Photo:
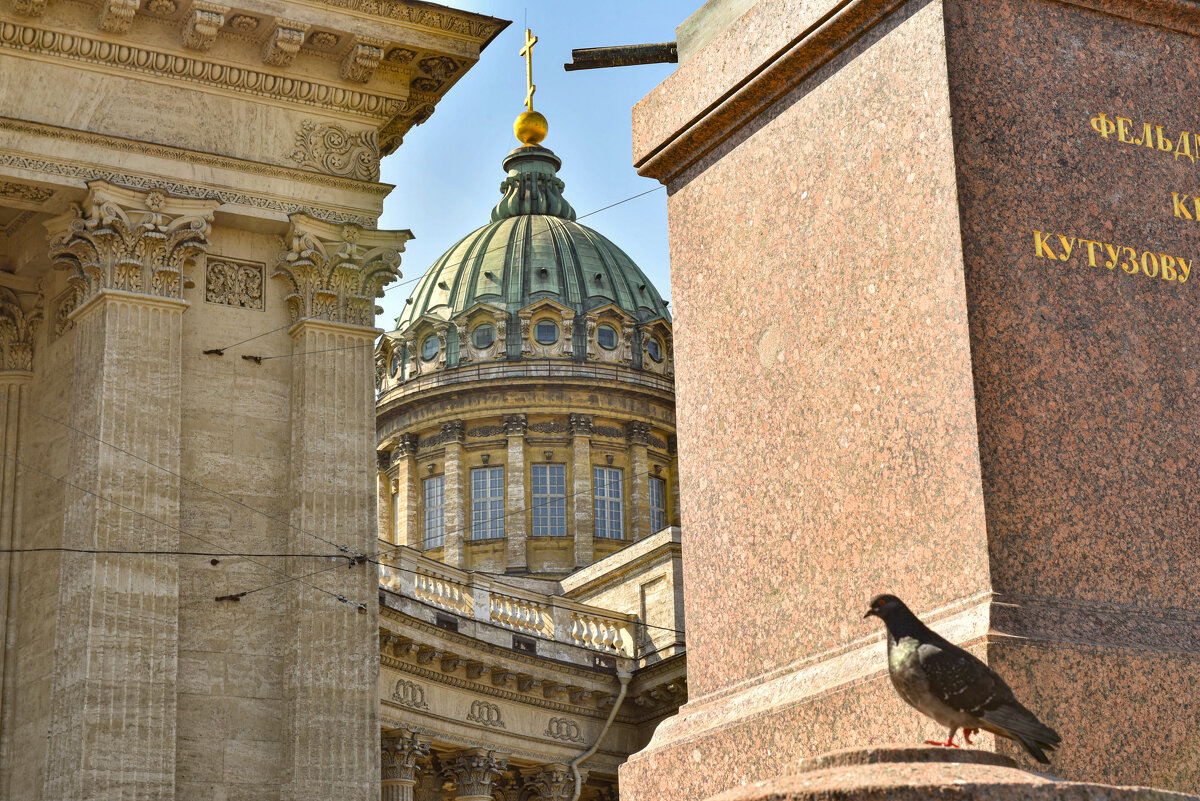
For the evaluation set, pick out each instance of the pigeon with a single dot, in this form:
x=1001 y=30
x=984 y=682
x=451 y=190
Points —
x=943 y=681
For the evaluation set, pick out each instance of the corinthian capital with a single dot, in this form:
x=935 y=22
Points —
x=17 y=330
x=337 y=271
x=474 y=770
x=400 y=752
x=129 y=240
x=553 y=782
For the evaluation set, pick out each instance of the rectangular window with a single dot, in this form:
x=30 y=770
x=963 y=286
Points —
x=487 y=503
x=435 y=511
x=549 y=500
x=658 y=504
x=610 y=522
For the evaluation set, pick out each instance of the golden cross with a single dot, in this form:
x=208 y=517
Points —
x=527 y=51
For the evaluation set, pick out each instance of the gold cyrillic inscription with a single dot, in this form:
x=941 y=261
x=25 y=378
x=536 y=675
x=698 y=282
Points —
x=1147 y=263
x=1147 y=135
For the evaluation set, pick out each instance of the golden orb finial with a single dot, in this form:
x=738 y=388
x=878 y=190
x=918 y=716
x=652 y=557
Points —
x=530 y=127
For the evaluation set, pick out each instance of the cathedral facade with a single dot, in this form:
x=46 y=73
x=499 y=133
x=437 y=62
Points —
x=531 y=618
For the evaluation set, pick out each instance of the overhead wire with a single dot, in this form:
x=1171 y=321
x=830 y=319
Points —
x=185 y=533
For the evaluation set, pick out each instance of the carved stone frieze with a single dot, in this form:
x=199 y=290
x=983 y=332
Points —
x=279 y=50
x=161 y=8
x=89 y=172
x=400 y=751
x=485 y=431
x=410 y=694
x=473 y=771
x=362 y=60
x=336 y=275
x=30 y=8
x=130 y=241
x=232 y=282
x=330 y=148
x=200 y=30
x=30 y=194
x=400 y=55
x=608 y=431
x=244 y=23
x=438 y=67
x=117 y=15
x=323 y=39
x=581 y=425
x=283 y=43
x=485 y=713
x=564 y=729
x=17 y=330
x=553 y=782
x=549 y=427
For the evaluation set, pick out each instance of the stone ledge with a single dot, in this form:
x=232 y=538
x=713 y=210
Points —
x=899 y=773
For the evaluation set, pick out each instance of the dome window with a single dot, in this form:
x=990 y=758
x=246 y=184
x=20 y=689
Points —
x=546 y=332
x=483 y=336
x=429 y=348
x=654 y=349
x=606 y=337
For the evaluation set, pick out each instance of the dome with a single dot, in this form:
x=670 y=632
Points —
x=533 y=249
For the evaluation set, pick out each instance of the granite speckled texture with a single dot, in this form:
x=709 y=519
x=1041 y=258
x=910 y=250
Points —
x=916 y=774
x=926 y=402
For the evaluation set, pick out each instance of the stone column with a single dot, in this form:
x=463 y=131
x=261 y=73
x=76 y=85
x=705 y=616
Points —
x=331 y=663
x=473 y=772
x=516 y=520
x=581 y=467
x=384 y=503
x=409 y=529
x=553 y=782
x=638 y=434
x=399 y=753
x=113 y=688
x=457 y=494
x=17 y=329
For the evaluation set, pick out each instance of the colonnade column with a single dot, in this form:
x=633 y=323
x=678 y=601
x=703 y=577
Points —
x=113 y=686
x=399 y=752
x=331 y=662
x=408 y=529
x=581 y=426
x=515 y=526
x=457 y=494
x=638 y=434
x=16 y=371
x=473 y=771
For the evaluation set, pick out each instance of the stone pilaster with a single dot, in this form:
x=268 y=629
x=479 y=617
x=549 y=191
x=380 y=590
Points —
x=332 y=660
x=17 y=328
x=581 y=426
x=399 y=752
x=516 y=521
x=553 y=782
x=112 y=722
x=473 y=772
x=409 y=530
x=638 y=434
x=384 y=501
x=456 y=494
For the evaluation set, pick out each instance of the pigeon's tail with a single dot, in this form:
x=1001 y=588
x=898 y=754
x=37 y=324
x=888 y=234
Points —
x=1016 y=722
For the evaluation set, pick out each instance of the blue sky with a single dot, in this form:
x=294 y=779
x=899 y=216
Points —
x=447 y=172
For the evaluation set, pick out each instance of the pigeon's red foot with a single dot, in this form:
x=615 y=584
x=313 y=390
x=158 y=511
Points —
x=967 y=733
x=948 y=744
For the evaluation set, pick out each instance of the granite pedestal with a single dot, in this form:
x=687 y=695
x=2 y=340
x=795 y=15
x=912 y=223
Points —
x=935 y=260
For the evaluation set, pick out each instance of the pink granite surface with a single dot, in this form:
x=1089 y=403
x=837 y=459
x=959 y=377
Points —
x=872 y=354
x=843 y=460
x=898 y=774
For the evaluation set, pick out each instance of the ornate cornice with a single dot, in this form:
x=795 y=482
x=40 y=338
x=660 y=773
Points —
x=18 y=328
x=132 y=241
x=88 y=173
x=481 y=29
x=336 y=274
x=77 y=46
x=332 y=179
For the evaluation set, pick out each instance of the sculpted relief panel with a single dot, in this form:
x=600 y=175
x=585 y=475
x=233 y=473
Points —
x=231 y=282
x=332 y=149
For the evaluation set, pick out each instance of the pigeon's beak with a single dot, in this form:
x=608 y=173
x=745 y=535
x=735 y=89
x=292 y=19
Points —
x=870 y=613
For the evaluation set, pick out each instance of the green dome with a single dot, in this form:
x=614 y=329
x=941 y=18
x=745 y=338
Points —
x=532 y=250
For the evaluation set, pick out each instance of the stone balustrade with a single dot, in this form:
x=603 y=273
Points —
x=470 y=595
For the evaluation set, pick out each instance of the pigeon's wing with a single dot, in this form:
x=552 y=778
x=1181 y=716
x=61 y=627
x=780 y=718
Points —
x=964 y=683
x=958 y=679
